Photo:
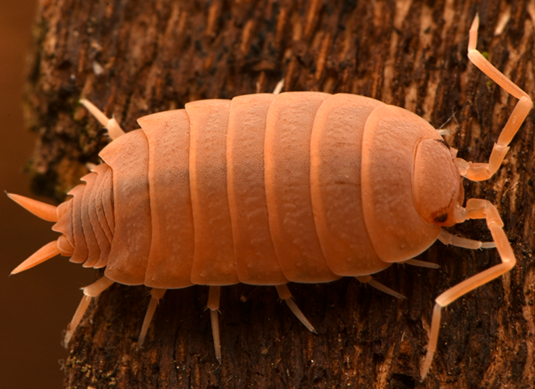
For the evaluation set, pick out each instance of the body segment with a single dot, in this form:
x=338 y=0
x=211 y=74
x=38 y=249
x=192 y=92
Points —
x=173 y=238
x=336 y=185
x=256 y=261
x=129 y=160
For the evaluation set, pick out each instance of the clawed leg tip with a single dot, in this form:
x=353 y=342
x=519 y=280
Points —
x=422 y=376
x=66 y=341
x=425 y=369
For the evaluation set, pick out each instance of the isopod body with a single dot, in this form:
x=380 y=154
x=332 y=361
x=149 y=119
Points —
x=267 y=189
x=262 y=189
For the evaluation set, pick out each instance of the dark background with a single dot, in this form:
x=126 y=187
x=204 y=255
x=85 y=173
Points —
x=35 y=305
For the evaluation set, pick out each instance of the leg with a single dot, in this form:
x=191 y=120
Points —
x=377 y=285
x=447 y=238
x=483 y=171
x=475 y=209
x=90 y=166
x=156 y=295
x=278 y=87
x=417 y=262
x=286 y=295
x=114 y=129
x=213 y=304
x=93 y=290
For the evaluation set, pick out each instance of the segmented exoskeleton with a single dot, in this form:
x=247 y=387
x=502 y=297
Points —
x=266 y=189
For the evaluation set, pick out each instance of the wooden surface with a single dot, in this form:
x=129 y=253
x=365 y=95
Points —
x=137 y=57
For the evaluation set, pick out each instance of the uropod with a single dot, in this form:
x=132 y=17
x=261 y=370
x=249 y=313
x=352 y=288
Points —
x=267 y=189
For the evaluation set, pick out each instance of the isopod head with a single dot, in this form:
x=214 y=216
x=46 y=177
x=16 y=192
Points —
x=437 y=187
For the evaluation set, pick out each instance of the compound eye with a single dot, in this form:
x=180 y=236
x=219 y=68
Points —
x=441 y=218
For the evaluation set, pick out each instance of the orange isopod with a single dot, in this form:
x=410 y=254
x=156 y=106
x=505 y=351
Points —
x=267 y=189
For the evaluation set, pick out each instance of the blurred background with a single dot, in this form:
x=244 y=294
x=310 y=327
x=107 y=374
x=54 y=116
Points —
x=35 y=305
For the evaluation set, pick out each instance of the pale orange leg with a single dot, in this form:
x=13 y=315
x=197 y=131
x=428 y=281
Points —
x=286 y=295
x=483 y=171
x=377 y=285
x=214 y=294
x=90 y=291
x=156 y=295
x=278 y=87
x=475 y=209
x=114 y=129
x=90 y=166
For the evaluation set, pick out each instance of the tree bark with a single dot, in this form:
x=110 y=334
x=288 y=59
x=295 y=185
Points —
x=136 y=57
